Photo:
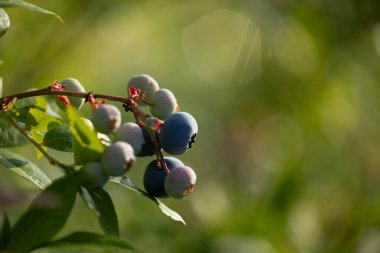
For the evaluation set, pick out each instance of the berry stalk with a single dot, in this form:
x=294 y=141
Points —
x=160 y=157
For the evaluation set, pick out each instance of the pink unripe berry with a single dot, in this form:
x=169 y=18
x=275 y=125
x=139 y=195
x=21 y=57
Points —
x=118 y=158
x=180 y=182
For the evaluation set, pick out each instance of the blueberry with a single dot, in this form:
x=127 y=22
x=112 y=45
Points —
x=131 y=132
x=118 y=158
x=164 y=104
x=180 y=182
x=146 y=84
x=104 y=139
x=137 y=136
x=72 y=84
x=178 y=133
x=106 y=118
x=148 y=148
x=5 y=22
x=92 y=175
x=154 y=177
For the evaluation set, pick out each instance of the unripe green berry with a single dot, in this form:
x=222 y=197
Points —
x=72 y=84
x=146 y=84
x=92 y=175
x=164 y=104
x=132 y=133
x=4 y=22
x=118 y=158
x=106 y=118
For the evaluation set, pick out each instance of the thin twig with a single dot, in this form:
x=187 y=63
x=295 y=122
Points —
x=158 y=152
x=49 y=91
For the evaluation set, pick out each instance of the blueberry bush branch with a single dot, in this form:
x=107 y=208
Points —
x=104 y=149
x=129 y=104
x=50 y=91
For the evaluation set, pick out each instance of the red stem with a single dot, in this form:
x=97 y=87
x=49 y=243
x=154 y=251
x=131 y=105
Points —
x=160 y=157
x=49 y=91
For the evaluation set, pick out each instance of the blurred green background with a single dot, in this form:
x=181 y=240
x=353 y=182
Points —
x=286 y=94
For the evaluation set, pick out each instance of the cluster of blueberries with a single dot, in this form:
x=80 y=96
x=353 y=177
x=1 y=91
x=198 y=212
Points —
x=165 y=129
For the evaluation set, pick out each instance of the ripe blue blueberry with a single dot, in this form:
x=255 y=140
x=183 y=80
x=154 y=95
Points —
x=180 y=182
x=164 y=104
x=106 y=118
x=148 y=148
x=146 y=84
x=154 y=177
x=178 y=133
x=72 y=84
x=92 y=175
x=117 y=158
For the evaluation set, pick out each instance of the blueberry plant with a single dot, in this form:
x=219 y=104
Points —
x=104 y=149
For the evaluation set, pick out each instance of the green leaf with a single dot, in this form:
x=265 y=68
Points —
x=127 y=183
x=4 y=25
x=91 y=240
x=31 y=116
x=87 y=147
x=35 y=117
x=59 y=138
x=5 y=231
x=101 y=203
x=46 y=216
x=23 y=116
x=29 y=111
x=23 y=168
x=10 y=136
x=28 y=6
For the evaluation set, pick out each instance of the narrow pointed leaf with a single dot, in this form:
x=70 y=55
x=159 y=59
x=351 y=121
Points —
x=91 y=240
x=46 y=215
x=101 y=203
x=28 y=6
x=127 y=183
x=87 y=147
x=23 y=168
